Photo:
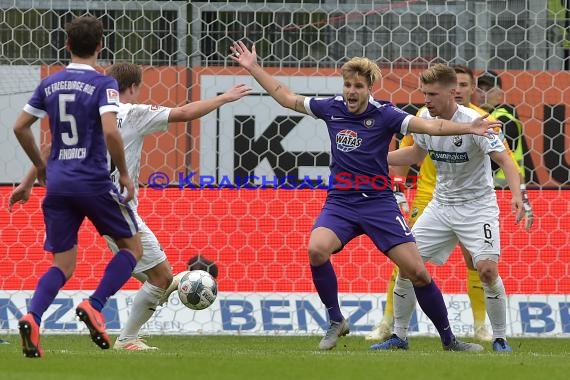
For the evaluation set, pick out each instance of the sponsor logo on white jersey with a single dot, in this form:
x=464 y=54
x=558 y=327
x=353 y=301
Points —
x=451 y=157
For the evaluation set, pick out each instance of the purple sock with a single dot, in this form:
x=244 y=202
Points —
x=431 y=301
x=326 y=284
x=46 y=291
x=117 y=273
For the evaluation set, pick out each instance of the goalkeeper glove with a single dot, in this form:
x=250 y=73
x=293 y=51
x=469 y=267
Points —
x=400 y=197
x=528 y=214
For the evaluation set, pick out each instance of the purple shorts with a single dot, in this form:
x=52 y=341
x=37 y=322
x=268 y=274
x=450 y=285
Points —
x=64 y=214
x=377 y=215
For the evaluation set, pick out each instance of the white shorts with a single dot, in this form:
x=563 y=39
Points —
x=475 y=224
x=152 y=251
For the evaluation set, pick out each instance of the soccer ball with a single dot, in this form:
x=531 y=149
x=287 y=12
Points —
x=197 y=289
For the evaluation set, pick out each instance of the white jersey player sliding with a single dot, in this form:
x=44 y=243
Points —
x=135 y=122
x=464 y=206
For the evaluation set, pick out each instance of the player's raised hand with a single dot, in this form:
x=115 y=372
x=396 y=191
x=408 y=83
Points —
x=237 y=92
x=20 y=195
x=484 y=127
x=242 y=55
x=126 y=183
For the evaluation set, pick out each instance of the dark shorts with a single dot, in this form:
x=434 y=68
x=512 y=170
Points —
x=64 y=214
x=351 y=214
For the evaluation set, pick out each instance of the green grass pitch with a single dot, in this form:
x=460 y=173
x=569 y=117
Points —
x=271 y=357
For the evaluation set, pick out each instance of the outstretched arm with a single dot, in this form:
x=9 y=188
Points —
x=406 y=156
x=277 y=90
x=196 y=110
x=440 y=127
x=402 y=171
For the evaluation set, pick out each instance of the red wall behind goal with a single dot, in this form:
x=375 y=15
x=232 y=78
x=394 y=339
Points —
x=259 y=239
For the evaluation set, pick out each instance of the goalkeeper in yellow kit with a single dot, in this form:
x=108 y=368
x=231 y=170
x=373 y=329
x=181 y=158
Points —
x=425 y=187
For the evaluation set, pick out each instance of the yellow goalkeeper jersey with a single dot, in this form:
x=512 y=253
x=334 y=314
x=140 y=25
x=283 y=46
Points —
x=426 y=180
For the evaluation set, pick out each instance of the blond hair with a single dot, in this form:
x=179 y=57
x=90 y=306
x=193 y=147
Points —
x=439 y=73
x=362 y=66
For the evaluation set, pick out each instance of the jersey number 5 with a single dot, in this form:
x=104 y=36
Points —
x=71 y=137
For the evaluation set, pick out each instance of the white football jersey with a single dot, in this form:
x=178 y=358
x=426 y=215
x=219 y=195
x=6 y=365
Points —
x=135 y=121
x=463 y=166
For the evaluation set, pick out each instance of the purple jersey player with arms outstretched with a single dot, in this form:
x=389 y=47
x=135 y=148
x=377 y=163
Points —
x=360 y=200
x=82 y=107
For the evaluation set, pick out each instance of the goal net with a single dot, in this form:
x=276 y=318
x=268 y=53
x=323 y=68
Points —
x=258 y=234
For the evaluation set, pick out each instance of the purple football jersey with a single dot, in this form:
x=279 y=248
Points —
x=359 y=143
x=74 y=100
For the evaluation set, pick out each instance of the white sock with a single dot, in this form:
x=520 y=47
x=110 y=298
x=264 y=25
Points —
x=496 y=303
x=144 y=306
x=404 y=305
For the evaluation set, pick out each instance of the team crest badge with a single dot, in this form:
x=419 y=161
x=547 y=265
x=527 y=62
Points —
x=369 y=123
x=457 y=140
